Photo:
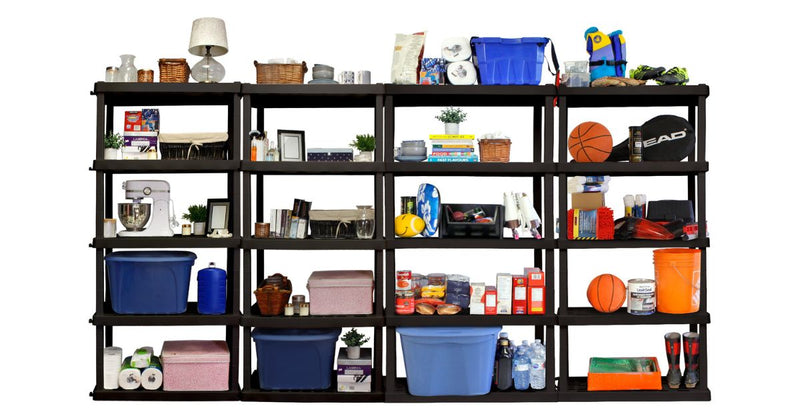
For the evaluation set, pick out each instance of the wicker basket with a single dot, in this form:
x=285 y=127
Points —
x=273 y=294
x=282 y=74
x=494 y=150
x=173 y=70
x=187 y=151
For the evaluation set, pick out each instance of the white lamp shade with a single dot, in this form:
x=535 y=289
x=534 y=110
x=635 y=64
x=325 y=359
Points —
x=208 y=32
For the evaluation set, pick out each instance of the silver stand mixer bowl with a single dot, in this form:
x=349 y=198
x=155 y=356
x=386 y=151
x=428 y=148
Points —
x=134 y=216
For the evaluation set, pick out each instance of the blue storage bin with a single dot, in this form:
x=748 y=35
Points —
x=448 y=361
x=149 y=282
x=295 y=358
x=509 y=61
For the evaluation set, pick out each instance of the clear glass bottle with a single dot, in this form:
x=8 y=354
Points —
x=127 y=71
x=365 y=223
x=272 y=154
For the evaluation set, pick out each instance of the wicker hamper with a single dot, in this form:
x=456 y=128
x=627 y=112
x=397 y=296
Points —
x=193 y=146
x=494 y=150
x=334 y=224
x=284 y=74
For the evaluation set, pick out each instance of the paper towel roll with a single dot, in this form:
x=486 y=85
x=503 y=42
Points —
x=152 y=376
x=129 y=376
x=112 y=360
x=461 y=73
x=456 y=49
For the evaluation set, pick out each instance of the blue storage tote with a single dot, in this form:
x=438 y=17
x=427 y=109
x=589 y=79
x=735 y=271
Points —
x=509 y=61
x=149 y=282
x=448 y=361
x=295 y=358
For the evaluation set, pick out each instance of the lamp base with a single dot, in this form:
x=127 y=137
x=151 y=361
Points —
x=208 y=70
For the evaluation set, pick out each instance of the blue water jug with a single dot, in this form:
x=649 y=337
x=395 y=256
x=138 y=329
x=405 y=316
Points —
x=211 y=290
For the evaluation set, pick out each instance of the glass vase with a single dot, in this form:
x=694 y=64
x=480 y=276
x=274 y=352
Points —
x=127 y=71
x=365 y=223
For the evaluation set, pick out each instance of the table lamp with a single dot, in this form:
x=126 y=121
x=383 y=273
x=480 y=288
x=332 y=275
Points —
x=208 y=40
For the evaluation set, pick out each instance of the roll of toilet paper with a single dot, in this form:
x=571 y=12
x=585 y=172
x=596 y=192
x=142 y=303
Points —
x=456 y=49
x=129 y=376
x=112 y=360
x=461 y=73
x=152 y=376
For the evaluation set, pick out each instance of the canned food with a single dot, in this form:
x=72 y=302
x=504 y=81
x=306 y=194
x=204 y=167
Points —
x=641 y=296
x=403 y=280
x=404 y=302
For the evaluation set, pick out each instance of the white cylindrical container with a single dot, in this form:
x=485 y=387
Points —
x=109 y=228
x=641 y=296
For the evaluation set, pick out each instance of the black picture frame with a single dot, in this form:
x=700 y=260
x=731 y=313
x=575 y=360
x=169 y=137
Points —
x=219 y=210
x=292 y=145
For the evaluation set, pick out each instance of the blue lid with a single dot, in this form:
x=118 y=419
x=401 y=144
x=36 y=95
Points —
x=525 y=40
x=448 y=331
x=285 y=334
x=151 y=256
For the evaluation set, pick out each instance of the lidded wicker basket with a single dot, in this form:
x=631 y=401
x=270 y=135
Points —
x=273 y=294
x=173 y=70
x=283 y=74
x=494 y=150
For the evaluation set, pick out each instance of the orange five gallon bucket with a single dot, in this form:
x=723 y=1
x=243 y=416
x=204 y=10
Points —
x=677 y=273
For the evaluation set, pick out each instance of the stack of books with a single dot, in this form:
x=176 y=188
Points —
x=453 y=148
x=354 y=375
x=290 y=223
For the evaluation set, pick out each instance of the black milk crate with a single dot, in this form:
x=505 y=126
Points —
x=453 y=229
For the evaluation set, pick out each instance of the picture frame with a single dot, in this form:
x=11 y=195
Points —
x=292 y=145
x=219 y=210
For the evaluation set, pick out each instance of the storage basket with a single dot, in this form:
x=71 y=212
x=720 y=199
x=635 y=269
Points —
x=193 y=146
x=273 y=294
x=494 y=150
x=173 y=70
x=334 y=224
x=282 y=74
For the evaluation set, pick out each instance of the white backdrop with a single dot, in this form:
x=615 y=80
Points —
x=54 y=52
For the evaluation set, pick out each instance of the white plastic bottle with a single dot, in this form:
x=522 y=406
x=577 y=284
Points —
x=537 y=371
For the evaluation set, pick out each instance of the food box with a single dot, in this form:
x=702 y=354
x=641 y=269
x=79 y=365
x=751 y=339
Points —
x=504 y=293
x=133 y=121
x=519 y=305
x=623 y=374
x=340 y=292
x=195 y=365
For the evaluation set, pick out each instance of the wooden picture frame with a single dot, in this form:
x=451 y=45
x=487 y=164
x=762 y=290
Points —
x=292 y=145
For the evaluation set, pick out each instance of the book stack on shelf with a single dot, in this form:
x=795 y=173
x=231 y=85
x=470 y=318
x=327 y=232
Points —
x=290 y=223
x=452 y=148
x=354 y=375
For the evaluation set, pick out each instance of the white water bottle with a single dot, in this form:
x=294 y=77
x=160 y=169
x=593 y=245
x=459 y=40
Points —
x=537 y=365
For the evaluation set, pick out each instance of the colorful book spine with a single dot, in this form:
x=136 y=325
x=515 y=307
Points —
x=451 y=137
x=453 y=159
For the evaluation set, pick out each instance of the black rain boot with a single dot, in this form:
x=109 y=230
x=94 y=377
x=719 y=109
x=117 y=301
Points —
x=691 y=356
x=673 y=342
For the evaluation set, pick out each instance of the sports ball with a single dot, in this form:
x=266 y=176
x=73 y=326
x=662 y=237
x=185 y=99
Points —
x=606 y=293
x=590 y=142
x=408 y=225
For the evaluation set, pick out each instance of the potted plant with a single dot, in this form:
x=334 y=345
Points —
x=197 y=214
x=365 y=143
x=452 y=117
x=353 y=340
x=111 y=145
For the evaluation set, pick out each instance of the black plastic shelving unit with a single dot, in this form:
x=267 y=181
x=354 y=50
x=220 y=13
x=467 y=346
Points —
x=110 y=96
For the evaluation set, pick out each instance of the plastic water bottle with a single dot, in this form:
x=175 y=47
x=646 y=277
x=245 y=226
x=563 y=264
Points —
x=521 y=367
x=538 y=355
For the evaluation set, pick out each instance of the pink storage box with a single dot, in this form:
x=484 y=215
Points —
x=195 y=365
x=340 y=292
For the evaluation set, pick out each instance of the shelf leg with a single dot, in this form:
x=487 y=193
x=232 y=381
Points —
x=377 y=372
x=391 y=360
x=563 y=377
x=247 y=369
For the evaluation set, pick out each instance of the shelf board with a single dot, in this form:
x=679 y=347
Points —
x=520 y=169
x=632 y=243
x=633 y=96
x=165 y=166
x=506 y=243
x=309 y=243
x=140 y=394
x=164 y=94
x=176 y=241
x=576 y=391
x=312 y=96
x=190 y=317
x=633 y=169
x=400 y=394
x=325 y=395
x=463 y=319
x=255 y=319
x=475 y=95
x=313 y=168
x=590 y=316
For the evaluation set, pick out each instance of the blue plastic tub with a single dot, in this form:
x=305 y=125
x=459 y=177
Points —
x=448 y=361
x=509 y=61
x=149 y=282
x=294 y=358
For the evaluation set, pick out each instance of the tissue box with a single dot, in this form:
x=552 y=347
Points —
x=195 y=365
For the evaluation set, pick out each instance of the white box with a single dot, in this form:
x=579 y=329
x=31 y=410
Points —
x=504 y=287
x=476 y=306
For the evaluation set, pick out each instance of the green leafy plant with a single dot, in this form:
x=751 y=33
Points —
x=112 y=141
x=452 y=115
x=197 y=213
x=364 y=142
x=352 y=338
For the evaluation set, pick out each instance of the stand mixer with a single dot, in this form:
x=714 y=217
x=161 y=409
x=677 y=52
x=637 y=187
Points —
x=134 y=216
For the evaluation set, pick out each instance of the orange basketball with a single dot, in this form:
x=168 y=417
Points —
x=590 y=142
x=606 y=293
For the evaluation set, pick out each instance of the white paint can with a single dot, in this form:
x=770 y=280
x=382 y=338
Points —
x=641 y=296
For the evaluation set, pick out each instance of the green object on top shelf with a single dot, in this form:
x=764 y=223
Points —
x=364 y=142
x=452 y=115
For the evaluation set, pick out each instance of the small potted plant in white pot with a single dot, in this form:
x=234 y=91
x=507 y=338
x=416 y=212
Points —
x=111 y=145
x=353 y=340
x=365 y=143
x=197 y=214
x=452 y=117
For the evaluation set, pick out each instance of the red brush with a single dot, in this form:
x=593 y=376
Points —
x=601 y=220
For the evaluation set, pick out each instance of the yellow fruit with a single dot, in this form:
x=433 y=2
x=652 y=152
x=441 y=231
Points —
x=408 y=225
